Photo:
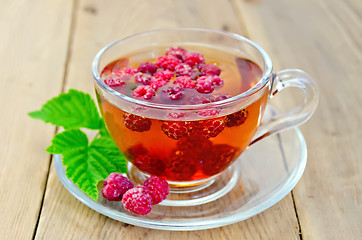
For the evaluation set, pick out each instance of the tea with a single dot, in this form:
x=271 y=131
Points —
x=175 y=146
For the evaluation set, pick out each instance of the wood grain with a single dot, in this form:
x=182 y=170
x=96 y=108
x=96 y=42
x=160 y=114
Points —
x=322 y=38
x=33 y=47
x=64 y=217
x=98 y=23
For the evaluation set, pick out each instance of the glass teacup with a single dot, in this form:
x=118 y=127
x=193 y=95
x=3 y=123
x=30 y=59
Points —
x=217 y=131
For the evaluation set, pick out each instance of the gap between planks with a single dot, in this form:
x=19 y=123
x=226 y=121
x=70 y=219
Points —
x=291 y=192
x=247 y=34
x=65 y=75
x=73 y=24
x=238 y=13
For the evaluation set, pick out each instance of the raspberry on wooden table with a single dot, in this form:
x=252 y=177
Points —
x=158 y=187
x=138 y=200
x=115 y=185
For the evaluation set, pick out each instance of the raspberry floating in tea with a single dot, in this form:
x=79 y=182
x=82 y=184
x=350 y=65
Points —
x=180 y=145
x=168 y=62
x=178 y=129
x=136 y=123
x=171 y=73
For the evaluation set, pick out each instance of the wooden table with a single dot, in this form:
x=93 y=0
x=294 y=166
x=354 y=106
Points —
x=47 y=46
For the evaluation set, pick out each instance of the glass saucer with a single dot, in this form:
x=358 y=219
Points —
x=261 y=177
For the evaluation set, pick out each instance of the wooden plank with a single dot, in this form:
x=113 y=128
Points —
x=99 y=23
x=33 y=49
x=64 y=217
x=323 y=38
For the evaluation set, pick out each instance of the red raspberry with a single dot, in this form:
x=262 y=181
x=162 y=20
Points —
x=149 y=164
x=164 y=75
x=177 y=129
x=138 y=200
x=129 y=70
x=115 y=185
x=135 y=151
x=147 y=67
x=208 y=112
x=193 y=58
x=216 y=81
x=211 y=127
x=174 y=92
x=195 y=74
x=237 y=118
x=199 y=99
x=145 y=79
x=210 y=69
x=157 y=83
x=208 y=99
x=136 y=123
x=146 y=92
x=185 y=82
x=183 y=69
x=158 y=187
x=178 y=52
x=180 y=165
x=114 y=81
x=198 y=145
x=167 y=62
x=175 y=115
x=125 y=72
x=220 y=97
x=222 y=156
x=204 y=84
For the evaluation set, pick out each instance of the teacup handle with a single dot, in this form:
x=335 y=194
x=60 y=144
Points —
x=296 y=116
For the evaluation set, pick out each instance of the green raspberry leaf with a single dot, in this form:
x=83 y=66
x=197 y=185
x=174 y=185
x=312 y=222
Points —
x=68 y=141
x=74 y=109
x=87 y=164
